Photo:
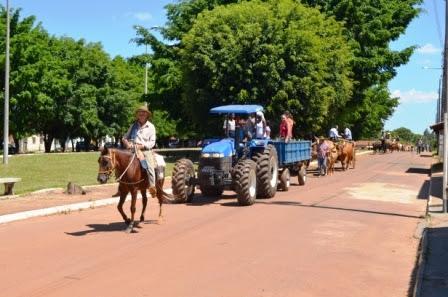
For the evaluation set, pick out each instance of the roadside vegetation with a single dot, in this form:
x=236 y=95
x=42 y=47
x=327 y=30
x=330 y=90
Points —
x=43 y=171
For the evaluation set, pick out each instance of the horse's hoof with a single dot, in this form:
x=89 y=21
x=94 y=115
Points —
x=142 y=219
x=127 y=221
x=130 y=228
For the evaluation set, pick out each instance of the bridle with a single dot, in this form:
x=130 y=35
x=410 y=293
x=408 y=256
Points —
x=114 y=162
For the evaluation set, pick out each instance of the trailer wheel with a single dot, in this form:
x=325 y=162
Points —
x=183 y=172
x=285 y=180
x=267 y=172
x=245 y=178
x=210 y=191
x=302 y=175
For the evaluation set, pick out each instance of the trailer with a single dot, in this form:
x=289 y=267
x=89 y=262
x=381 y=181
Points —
x=292 y=159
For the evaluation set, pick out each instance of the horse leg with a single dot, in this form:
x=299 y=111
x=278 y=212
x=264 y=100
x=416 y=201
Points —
x=133 y=201
x=144 y=202
x=123 y=195
x=160 y=198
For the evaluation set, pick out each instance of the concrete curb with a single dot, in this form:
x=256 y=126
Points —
x=421 y=264
x=423 y=247
x=63 y=209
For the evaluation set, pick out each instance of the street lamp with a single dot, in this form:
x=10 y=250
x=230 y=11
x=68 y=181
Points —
x=6 y=111
x=147 y=64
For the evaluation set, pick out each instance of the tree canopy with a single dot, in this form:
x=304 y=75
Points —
x=279 y=54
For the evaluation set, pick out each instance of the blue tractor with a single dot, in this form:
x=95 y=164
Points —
x=250 y=167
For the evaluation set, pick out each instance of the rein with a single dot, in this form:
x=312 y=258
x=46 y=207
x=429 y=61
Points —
x=113 y=160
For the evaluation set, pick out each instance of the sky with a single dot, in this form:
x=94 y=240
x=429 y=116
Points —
x=111 y=23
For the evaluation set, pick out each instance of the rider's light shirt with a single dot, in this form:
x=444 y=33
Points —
x=334 y=133
x=348 y=134
x=142 y=134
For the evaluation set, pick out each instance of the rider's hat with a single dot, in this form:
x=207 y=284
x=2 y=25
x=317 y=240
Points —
x=143 y=108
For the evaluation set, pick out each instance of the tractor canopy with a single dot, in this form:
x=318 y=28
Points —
x=236 y=109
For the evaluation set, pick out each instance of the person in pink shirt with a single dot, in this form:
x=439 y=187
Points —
x=289 y=126
x=283 y=128
x=322 y=153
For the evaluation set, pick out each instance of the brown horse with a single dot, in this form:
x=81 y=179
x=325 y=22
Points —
x=131 y=178
x=346 y=153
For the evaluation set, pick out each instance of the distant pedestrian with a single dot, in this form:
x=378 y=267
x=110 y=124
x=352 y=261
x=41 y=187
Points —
x=322 y=154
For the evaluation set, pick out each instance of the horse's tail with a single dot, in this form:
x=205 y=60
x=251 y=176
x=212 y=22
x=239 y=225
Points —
x=166 y=197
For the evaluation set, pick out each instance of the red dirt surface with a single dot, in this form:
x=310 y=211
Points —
x=348 y=235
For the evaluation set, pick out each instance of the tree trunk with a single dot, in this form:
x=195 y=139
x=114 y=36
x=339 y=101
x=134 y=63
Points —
x=48 y=140
x=73 y=144
x=62 y=143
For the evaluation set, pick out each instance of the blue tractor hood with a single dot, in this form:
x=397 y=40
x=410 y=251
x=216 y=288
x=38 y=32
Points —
x=225 y=147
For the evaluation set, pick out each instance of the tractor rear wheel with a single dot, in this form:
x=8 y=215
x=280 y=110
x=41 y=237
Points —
x=267 y=172
x=245 y=178
x=183 y=189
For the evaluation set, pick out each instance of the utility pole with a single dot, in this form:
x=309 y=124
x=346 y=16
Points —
x=6 y=111
x=444 y=112
x=146 y=70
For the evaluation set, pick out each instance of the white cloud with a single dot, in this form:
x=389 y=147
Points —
x=428 y=49
x=414 y=96
x=141 y=16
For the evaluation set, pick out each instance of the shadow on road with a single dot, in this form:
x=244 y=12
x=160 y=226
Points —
x=111 y=227
x=417 y=170
x=423 y=193
x=291 y=203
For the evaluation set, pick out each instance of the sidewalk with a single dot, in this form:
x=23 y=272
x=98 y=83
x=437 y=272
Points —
x=432 y=275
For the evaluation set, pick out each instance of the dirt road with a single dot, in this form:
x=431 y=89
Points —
x=351 y=234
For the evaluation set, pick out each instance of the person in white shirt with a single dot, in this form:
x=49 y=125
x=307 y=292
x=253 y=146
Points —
x=229 y=126
x=334 y=134
x=260 y=125
x=141 y=136
x=348 y=134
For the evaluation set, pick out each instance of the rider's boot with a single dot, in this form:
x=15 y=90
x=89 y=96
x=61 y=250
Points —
x=151 y=177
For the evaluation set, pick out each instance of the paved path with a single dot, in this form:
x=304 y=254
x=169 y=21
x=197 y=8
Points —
x=351 y=234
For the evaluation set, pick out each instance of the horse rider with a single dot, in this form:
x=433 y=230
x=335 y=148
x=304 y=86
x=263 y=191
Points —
x=334 y=134
x=348 y=134
x=141 y=136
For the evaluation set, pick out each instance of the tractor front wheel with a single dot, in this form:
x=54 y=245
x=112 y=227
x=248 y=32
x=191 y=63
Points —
x=245 y=178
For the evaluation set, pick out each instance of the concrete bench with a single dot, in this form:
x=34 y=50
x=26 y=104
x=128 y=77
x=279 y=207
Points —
x=9 y=184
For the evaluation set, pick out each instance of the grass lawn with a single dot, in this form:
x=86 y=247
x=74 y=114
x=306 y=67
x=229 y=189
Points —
x=42 y=171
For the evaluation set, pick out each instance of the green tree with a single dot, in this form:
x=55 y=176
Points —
x=278 y=53
x=405 y=135
x=371 y=25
